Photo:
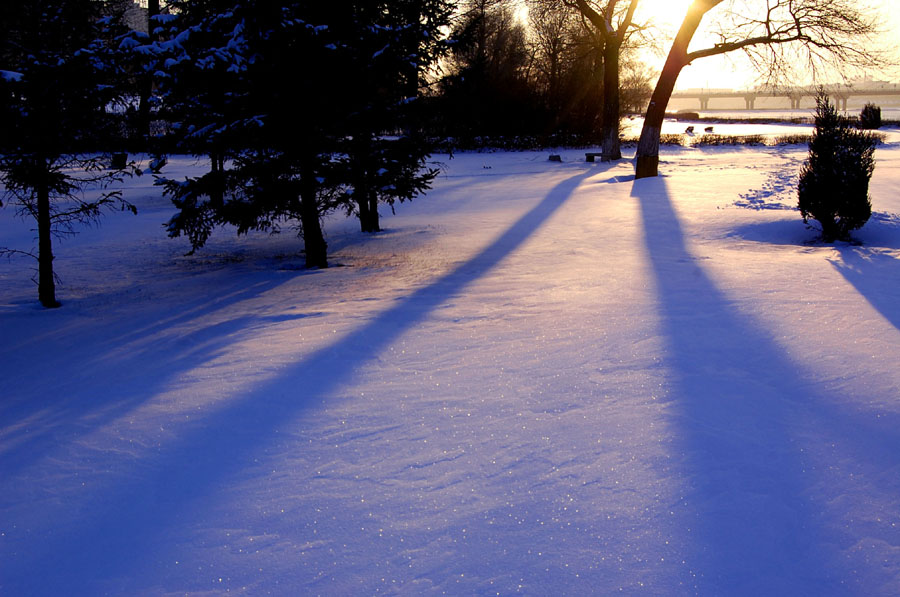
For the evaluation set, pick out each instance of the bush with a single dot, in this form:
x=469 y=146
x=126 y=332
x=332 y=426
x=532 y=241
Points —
x=671 y=139
x=834 y=181
x=793 y=139
x=870 y=117
x=710 y=139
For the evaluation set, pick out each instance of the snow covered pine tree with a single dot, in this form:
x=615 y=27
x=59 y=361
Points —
x=304 y=95
x=390 y=47
x=56 y=84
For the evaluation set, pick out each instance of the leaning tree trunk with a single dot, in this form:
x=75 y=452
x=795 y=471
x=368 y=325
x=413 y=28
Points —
x=647 y=154
x=46 y=284
x=609 y=117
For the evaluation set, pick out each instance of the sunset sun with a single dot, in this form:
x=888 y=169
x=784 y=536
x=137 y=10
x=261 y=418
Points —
x=666 y=14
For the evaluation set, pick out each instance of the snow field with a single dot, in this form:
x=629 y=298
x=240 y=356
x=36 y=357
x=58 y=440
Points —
x=542 y=378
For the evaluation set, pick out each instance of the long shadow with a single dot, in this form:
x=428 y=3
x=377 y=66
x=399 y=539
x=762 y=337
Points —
x=160 y=356
x=117 y=525
x=874 y=274
x=751 y=526
x=867 y=265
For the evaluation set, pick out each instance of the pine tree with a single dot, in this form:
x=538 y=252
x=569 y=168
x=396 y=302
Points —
x=389 y=48
x=834 y=181
x=200 y=65
x=302 y=107
x=233 y=81
x=55 y=86
x=870 y=117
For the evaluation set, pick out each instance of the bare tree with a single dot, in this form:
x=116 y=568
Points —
x=635 y=84
x=612 y=22
x=489 y=70
x=568 y=67
x=777 y=36
x=550 y=27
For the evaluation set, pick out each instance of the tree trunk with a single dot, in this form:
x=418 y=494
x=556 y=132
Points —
x=313 y=239
x=217 y=188
x=647 y=154
x=366 y=199
x=363 y=204
x=609 y=117
x=374 y=220
x=368 y=211
x=46 y=284
x=830 y=229
x=146 y=84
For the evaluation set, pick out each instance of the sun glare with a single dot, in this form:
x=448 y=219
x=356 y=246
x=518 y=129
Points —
x=666 y=14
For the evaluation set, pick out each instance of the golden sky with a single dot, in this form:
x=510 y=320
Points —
x=733 y=71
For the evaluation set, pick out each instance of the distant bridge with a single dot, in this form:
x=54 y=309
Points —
x=838 y=93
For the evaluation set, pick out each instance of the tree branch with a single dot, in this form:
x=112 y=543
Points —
x=726 y=47
x=593 y=16
x=626 y=21
x=8 y=253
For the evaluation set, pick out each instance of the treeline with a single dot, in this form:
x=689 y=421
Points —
x=302 y=108
x=508 y=77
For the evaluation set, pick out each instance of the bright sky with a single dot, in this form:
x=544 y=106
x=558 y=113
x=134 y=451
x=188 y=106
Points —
x=733 y=71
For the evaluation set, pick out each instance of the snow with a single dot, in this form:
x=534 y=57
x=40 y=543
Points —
x=543 y=378
x=11 y=76
x=165 y=18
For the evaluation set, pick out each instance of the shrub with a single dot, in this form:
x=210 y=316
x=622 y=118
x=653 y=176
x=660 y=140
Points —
x=671 y=139
x=834 y=181
x=710 y=139
x=870 y=117
x=792 y=139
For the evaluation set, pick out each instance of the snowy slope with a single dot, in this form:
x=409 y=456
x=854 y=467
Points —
x=543 y=378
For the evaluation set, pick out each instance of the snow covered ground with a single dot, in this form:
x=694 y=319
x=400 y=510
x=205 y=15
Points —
x=543 y=378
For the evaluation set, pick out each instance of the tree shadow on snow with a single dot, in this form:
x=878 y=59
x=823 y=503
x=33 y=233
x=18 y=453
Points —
x=132 y=363
x=787 y=230
x=874 y=274
x=737 y=404
x=117 y=526
x=882 y=231
x=866 y=262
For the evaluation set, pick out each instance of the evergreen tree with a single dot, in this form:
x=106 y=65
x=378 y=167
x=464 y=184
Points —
x=870 y=117
x=302 y=108
x=232 y=90
x=124 y=29
x=200 y=64
x=389 y=48
x=834 y=181
x=56 y=84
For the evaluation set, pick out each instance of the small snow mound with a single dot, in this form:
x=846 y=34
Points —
x=9 y=75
